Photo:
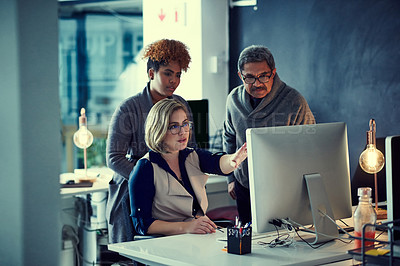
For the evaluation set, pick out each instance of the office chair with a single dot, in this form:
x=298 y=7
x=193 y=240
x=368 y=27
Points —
x=223 y=216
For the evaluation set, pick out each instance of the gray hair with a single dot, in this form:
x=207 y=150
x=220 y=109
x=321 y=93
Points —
x=255 y=53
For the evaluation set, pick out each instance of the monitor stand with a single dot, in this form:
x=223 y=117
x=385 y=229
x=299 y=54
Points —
x=325 y=229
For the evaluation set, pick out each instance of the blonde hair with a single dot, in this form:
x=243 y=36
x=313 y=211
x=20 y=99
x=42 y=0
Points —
x=157 y=123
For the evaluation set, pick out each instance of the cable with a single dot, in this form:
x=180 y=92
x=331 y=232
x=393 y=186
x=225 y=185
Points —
x=322 y=234
x=379 y=235
x=333 y=221
x=289 y=225
x=309 y=244
x=282 y=240
x=81 y=215
x=344 y=223
x=68 y=233
x=353 y=237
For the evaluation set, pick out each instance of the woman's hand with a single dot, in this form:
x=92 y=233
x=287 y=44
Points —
x=239 y=156
x=229 y=162
x=201 y=225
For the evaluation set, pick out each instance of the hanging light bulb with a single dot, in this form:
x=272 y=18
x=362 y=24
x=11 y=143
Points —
x=83 y=138
x=371 y=159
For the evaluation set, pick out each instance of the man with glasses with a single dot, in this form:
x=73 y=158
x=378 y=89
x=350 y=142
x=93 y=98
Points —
x=263 y=100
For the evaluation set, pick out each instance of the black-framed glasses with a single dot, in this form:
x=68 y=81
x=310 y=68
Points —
x=263 y=78
x=175 y=129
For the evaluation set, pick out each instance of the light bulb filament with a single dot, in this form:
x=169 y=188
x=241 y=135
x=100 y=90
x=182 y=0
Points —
x=372 y=157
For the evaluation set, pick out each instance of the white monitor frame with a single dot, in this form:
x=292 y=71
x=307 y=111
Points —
x=278 y=160
x=392 y=154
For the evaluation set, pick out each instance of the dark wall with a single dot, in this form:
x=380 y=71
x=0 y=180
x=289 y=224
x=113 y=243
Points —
x=343 y=56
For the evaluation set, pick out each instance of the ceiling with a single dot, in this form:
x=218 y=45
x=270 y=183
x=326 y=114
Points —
x=68 y=7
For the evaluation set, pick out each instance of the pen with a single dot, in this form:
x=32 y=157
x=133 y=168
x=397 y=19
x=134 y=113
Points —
x=247 y=224
x=219 y=228
x=246 y=227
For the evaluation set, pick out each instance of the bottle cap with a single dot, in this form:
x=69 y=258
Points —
x=364 y=192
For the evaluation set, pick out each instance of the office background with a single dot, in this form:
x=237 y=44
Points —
x=342 y=56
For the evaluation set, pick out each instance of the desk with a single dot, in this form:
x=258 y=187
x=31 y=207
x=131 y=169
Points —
x=191 y=249
x=216 y=188
x=88 y=223
x=101 y=184
x=89 y=204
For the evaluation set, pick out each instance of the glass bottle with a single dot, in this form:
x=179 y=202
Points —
x=364 y=214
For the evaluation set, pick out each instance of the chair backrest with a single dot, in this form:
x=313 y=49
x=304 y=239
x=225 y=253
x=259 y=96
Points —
x=223 y=216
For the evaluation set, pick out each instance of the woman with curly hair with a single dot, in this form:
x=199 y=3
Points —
x=166 y=59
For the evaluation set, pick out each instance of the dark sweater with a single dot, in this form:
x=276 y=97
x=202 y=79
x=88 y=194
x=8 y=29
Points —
x=283 y=106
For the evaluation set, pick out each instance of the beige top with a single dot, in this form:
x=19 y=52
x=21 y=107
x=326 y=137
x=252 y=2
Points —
x=172 y=202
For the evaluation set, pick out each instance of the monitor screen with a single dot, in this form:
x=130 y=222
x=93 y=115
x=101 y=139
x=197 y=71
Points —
x=200 y=120
x=280 y=157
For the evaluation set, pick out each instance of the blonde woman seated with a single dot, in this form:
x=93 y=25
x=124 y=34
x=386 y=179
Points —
x=167 y=185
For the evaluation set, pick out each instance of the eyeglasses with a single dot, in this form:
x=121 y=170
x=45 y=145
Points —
x=175 y=129
x=263 y=78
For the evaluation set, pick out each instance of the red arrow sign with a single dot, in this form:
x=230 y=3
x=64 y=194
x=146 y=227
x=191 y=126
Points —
x=162 y=15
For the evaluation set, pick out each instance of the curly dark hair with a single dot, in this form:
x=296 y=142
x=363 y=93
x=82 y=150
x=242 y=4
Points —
x=165 y=50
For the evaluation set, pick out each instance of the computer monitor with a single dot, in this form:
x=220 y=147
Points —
x=296 y=172
x=200 y=120
x=392 y=155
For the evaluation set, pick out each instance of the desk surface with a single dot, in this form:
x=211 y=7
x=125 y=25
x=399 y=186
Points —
x=191 y=249
x=100 y=185
x=215 y=183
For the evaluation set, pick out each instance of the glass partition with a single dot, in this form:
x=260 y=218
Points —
x=96 y=67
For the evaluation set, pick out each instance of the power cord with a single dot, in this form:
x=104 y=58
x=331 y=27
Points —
x=333 y=221
x=309 y=244
x=294 y=227
x=342 y=239
x=282 y=240
x=68 y=233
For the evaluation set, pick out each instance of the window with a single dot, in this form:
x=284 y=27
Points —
x=95 y=52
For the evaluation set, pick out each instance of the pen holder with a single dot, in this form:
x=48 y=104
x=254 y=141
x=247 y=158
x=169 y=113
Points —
x=239 y=240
